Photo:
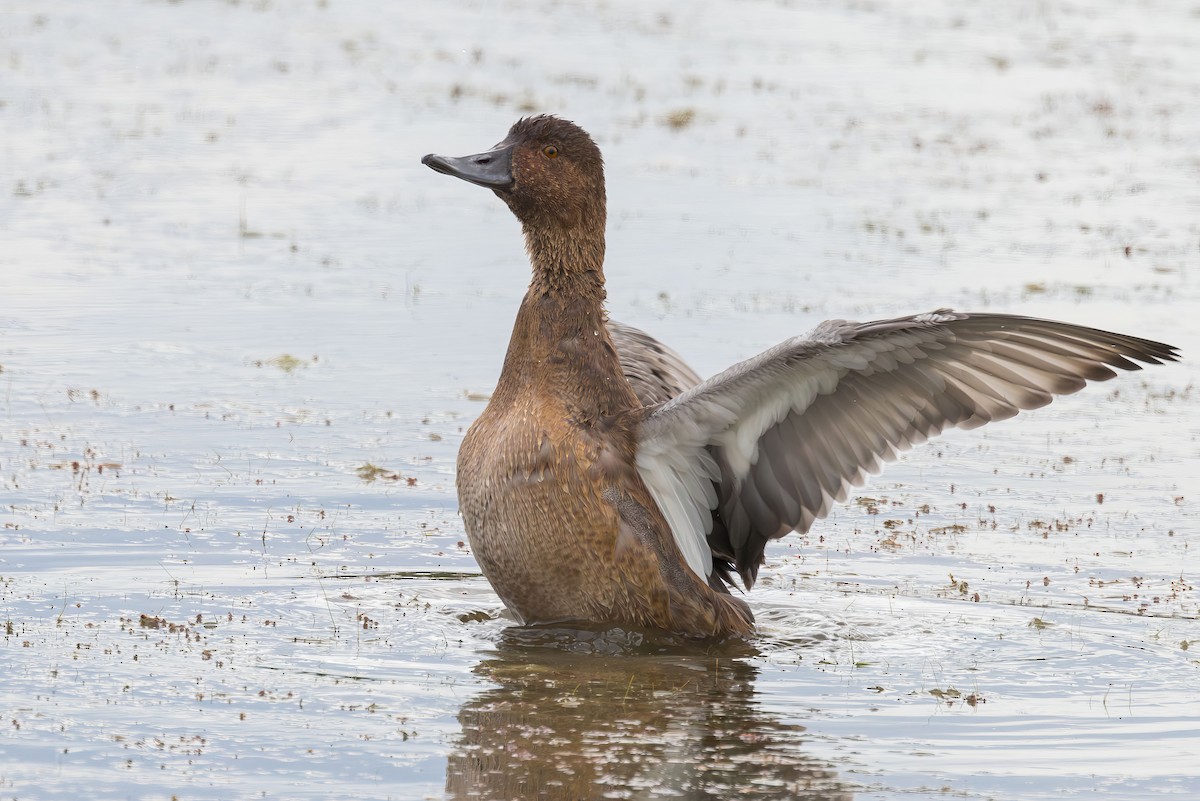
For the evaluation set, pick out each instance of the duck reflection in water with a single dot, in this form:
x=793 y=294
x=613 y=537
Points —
x=592 y=713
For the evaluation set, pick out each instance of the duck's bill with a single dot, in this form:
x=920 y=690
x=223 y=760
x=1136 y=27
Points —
x=492 y=169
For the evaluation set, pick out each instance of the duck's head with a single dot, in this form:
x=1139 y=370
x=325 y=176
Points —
x=548 y=171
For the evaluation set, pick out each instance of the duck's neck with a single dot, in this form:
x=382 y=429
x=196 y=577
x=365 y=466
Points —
x=560 y=344
x=567 y=260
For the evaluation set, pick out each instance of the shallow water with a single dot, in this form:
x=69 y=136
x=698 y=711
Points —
x=243 y=331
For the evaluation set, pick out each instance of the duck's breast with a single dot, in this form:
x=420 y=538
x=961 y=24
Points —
x=531 y=492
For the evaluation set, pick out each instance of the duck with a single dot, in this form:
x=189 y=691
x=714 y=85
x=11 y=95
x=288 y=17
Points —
x=606 y=484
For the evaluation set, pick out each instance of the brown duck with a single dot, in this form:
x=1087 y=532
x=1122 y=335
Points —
x=606 y=483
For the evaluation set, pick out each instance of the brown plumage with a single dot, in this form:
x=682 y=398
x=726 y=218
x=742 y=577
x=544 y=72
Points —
x=612 y=486
x=558 y=517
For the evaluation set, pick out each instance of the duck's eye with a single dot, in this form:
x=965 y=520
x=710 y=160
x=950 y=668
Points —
x=551 y=151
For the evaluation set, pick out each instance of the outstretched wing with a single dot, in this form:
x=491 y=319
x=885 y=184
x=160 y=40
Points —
x=782 y=436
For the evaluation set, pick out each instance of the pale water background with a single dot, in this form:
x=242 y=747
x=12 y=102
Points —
x=242 y=331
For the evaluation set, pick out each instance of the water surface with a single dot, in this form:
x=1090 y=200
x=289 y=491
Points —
x=243 y=331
